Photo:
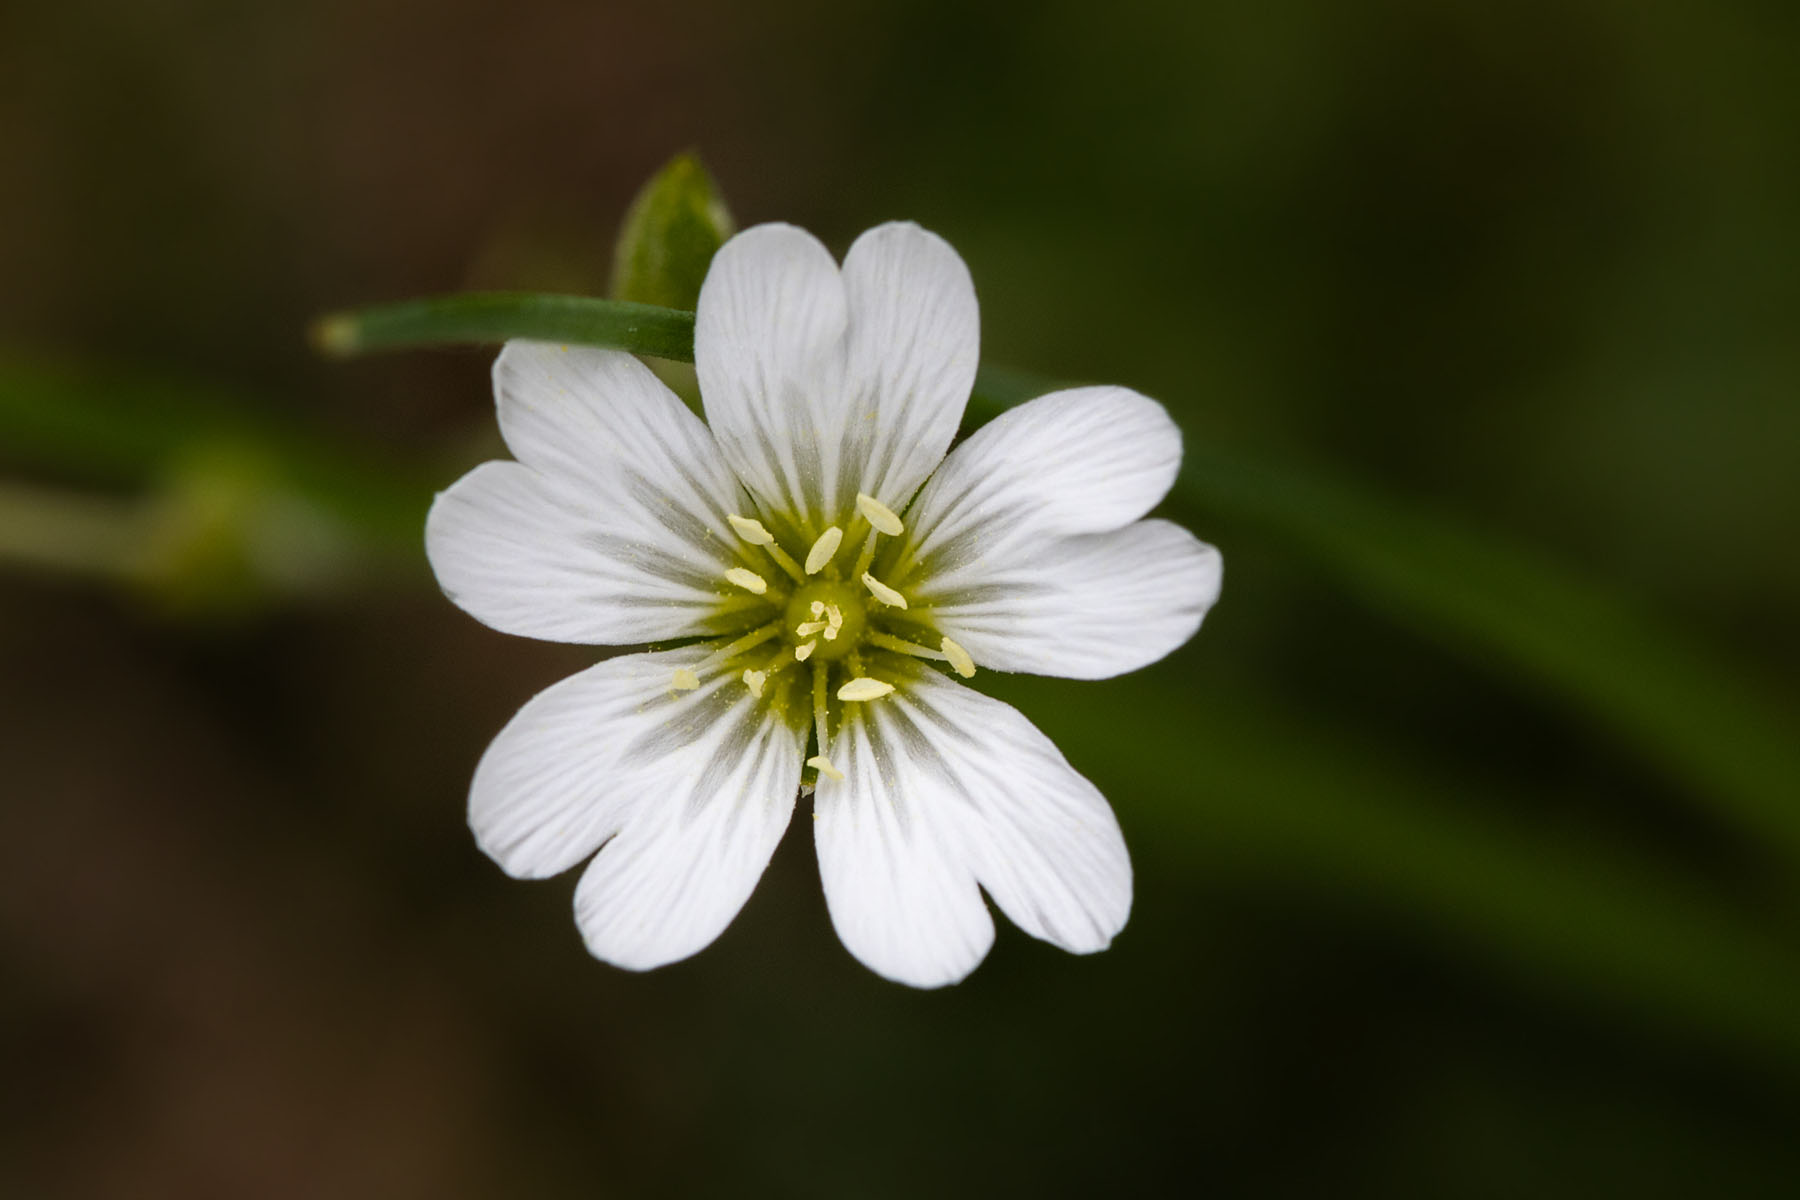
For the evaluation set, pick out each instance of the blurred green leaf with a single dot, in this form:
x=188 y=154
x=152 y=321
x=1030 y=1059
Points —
x=1646 y=682
x=1256 y=791
x=669 y=236
x=116 y=427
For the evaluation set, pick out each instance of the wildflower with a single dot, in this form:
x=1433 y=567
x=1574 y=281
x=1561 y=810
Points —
x=833 y=579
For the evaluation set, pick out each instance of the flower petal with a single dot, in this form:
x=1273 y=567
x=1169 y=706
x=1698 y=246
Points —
x=1025 y=547
x=691 y=855
x=611 y=528
x=1085 y=607
x=945 y=789
x=915 y=341
x=769 y=350
x=1085 y=460
x=617 y=749
x=820 y=384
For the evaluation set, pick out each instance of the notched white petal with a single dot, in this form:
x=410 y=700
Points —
x=820 y=384
x=693 y=787
x=603 y=531
x=1086 y=460
x=1087 y=607
x=769 y=351
x=914 y=342
x=528 y=555
x=946 y=788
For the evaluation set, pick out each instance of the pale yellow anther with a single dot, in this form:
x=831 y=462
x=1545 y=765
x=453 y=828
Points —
x=686 y=681
x=883 y=592
x=878 y=514
x=864 y=688
x=754 y=680
x=822 y=765
x=818 y=608
x=750 y=529
x=811 y=627
x=747 y=579
x=804 y=652
x=959 y=659
x=823 y=550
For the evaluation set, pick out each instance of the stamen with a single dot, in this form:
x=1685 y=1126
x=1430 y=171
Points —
x=747 y=579
x=749 y=641
x=818 y=761
x=818 y=608
x=823 y=550
x=878 y=514
x=889 y=642
x=804 y=652
x=757 y=534
x=685 y=680
x=751 y=530
x=883 y=592
x=811 y=627
x=786 y=562
x=866 y=559
x=754 y=680
x=836 y=620
x=959 y=658
x=864 y=689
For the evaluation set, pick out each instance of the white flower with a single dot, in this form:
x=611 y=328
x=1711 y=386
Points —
x=839 y=573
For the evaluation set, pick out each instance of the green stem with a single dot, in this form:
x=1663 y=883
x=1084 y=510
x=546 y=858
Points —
x=479 y=317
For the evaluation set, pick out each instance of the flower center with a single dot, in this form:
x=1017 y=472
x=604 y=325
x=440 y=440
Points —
x=826 y=618
x=827 y=613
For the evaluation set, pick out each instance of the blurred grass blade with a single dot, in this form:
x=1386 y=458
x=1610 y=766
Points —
x=483 y=317
x=115 y=427
x=65 y=531
x=1260 y=793
x=669 y=236
x=1645 y=682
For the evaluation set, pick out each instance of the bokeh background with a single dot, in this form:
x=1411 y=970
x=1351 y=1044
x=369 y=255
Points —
x=1466 y=832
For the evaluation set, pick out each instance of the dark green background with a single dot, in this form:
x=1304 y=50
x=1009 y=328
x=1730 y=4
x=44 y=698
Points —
x=1410 y=920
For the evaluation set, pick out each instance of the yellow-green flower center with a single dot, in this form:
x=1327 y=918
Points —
x=840 y=635
x=829 y=613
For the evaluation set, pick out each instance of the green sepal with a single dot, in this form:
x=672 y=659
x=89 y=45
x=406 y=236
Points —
x=669 y=236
